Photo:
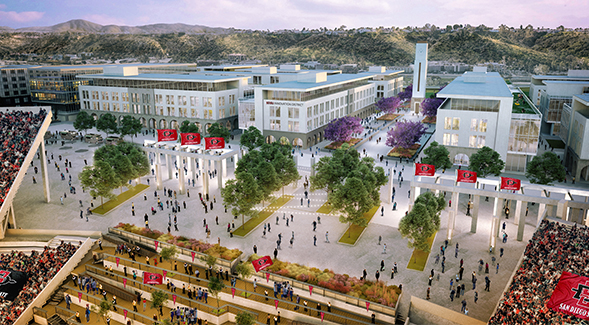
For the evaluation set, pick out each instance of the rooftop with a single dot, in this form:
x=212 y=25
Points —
x=557 y=77
x=492 y=85
x=566 y=81
x=102 y=66
x=584 y=98
x=166 y=77
x=331 y=81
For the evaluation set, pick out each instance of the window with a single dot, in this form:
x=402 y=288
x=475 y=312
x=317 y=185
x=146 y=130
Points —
x=474 y=125
x=447 y=123
x=309 y=111
x=316 y=110
x=274 y=111
x=182 y=100
x=231 y=99
x=221 y=112
x=207 y=102
x=293 y=126
x=476 y=141
x=274 y=80
x=450 y=139
x=456 y=123
x=309 y=125
x=454 y=139
x=274 y=124
x=483 y=125
x=257 y=80
x=327 y=106
x=293 y=112
x=193 y=112
x=193 y=101
x=222 y=101
x=115 y=96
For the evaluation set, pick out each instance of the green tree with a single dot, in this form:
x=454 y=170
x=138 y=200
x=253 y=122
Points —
x=545 y=169
x=209 y=260
x=251 y=138
x=244 y=318
x=423 y=221
x=100 y=179
x=130 y=126
x=217 y=131
x=437 y=155
x=103 y=309
x=158 y=298
x=352 y=200
x=168 y=253
x=243 y=270
x=486 y=161
x=215 y=287
x=107 y=123
x=188 y=127
x=285 y=167
x=242 y=194
x=128 y=161
x=84 y=122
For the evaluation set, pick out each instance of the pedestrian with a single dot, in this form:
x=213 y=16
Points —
x=255 y=249
x=326 y=237
x=384 y=248
x=314 y=240
x=427 y=296
x=379 y=239
x=476 y=296
x=452 y=295
x=382 y=211
x=275 y=253
x=501 y=252
x=463 y=305
x=377 y=275
x=497 y=269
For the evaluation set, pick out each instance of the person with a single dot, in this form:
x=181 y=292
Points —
x=427 y=293
x=326 y=237
x=384 y=248
x=314 y=240
x=377 y=275
x=78 y=317
x=255 y=249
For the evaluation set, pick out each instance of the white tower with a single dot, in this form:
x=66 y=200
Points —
x=419 y=76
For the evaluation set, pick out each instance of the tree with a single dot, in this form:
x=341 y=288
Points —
x=405 y=134
x=244 y=318
x=217 y=131
x=130 y=126
x=437 y=155
x=168 y=253
x=215 y=287
x=107 y=123
x=545 y=169
x=188 y=127
x=423 y=221
x=251 y=138
x=128 y=161
x=429 y=106
x=242 y=194
x=352 y=201
x=100 y=179
x=84 y=122
x=388 y=105
x=209 y=260
x=341 y=129
x=406 y=94
x=486 y=161
x=158 y=298
x=243 y=270
x=103 y=309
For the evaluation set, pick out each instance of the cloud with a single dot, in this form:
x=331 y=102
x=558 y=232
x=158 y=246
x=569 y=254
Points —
x=21 y=17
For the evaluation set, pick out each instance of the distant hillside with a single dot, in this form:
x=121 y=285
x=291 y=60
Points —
x=521 y=49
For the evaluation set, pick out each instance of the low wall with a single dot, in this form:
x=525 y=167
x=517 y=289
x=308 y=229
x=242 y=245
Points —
x=53 y=232
x=424 y=312
x=47 y=292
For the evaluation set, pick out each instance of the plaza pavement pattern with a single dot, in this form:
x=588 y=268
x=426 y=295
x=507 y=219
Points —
x=32 y=212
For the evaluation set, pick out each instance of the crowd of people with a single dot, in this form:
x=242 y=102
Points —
x=40 y=268
x=19 y=129
x=554 y=248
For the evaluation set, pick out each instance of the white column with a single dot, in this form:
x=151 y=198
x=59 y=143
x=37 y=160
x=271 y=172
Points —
x=181 y=179
x=235 y=160
x=44 y=174
x=390 y=187
x=521 y=216
x=474 y=213
x=205 y=176
x=220 y=173
x=224 y=167
x=169 y=165
x=193 y=167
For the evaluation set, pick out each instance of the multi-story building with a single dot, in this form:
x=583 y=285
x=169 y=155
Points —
x=482 y=110
x=14 y=85
x=58 y=85
x=574 y=131
x=163 y=100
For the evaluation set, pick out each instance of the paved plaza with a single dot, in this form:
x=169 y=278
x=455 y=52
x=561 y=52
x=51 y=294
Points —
x=33 y=212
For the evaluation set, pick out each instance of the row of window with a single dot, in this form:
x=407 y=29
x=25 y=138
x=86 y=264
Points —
x=476 y=125
x=159 y=110
x=474 y=141
x=293 y=126
x=159 y=98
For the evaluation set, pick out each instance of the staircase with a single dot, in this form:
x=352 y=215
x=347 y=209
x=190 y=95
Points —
x=56 y=320
x=57 y=297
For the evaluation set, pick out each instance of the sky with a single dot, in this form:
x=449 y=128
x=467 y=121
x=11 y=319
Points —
x=289 y=14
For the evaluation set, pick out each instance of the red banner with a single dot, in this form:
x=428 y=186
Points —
x=125 y=313
x=276 y=303
x=310 y=290
x=189 y=138
x=174 y=297
x=164 y=273
x=156 y=244
x=367 y=305
x=125 y=283
x=79 y=297
x=118 y=260
x=193 y=254
x=267 y=277
x=571 y=295
x=424 y=170
x=214 y=143
x=466 y=176
x=167 y=135
x=233 y=292
x=152 y=278
x=262 y=263
x=510 y=183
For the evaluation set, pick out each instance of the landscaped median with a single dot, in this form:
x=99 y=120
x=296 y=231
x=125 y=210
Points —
x=253 y=222
x=120 y=199
x=325 y=208
x=354 y=232
x=419 y=258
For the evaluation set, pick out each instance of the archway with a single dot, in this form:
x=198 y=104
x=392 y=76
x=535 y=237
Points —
x=309 y=142
x=174 y=124
x=461 y=159
x=270 y=139
x=120 y=120
x=284 y=141
x=163 y=124
x=207 y=127
x=228 y=125
x=199 y=126
x=235 y=124
x=314 y=139
x=585 y=173
x=297 y=142
x=320 y=136
x=152 y=123
x=94 y=116
x=143 y=121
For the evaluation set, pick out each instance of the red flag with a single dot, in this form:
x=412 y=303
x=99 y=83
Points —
x=571 y=295
x=233 y=292
x=152 y=278
x=466 y=176
x=156 y=243
x=510 y=183
x=189 y=138
x=267 y=277
x=367 y=305
x=125 y=283
x=164 y=273
x=125 y=313
x=276 y=303
x=424 y=170
x=192 y=253
x=79 y=297
x=117 y=260
x=310 y=290
x=167 y=135
x=262 y=263
x=322 y=314
x=174 y=298
x=214 y=143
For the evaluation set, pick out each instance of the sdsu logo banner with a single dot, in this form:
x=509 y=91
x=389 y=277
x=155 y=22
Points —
x=167 y=135
x=189 y=138
x=466 y=176
x=510 y=183
x=262 y=263
x=571 y=295
x=424 y=170
x=152 y=278
x=214 y=143
x=11 y=283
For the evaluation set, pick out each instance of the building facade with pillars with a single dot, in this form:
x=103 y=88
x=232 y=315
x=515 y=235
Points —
x=574 y=131
x=482 y=110
x=162 y=101
x=14 y=85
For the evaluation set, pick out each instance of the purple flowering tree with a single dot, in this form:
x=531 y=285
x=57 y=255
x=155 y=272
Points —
x=341 y=129
x=429 y=106
x=388 y=105
x=406 y=94
x=405 y=134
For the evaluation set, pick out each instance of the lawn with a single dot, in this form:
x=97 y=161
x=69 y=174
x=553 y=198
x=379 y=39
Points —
x=419 y=258
x=429 y=120
x=405 y=153
x=556 y=144
x=120 y=199
x=338 y=144
x=262 y=216
x=325 y=208
x=353 y=232
x=388 y=117
x=521 y=106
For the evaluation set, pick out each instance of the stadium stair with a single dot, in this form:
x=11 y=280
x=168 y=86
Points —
x=56 y=320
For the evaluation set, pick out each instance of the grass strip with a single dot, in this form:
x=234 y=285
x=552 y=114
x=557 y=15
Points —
x=353 y=232
x=120 y=199
x=419 y=258
x=253 y=222
x=325 y=208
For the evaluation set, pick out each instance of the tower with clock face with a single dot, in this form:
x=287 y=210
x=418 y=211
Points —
x=419 y=76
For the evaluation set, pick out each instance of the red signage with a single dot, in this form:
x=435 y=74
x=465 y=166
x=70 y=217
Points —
x=167 y=135
x=152 y=278
x=510 y=183
x=262 y=263
x=214 y=143
x=424 y=170
x=466 y=176
x=571 y=295
x=189 y=138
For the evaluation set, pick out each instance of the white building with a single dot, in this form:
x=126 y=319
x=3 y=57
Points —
x=574 y=131
x=419 y=76
x=480 y=110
